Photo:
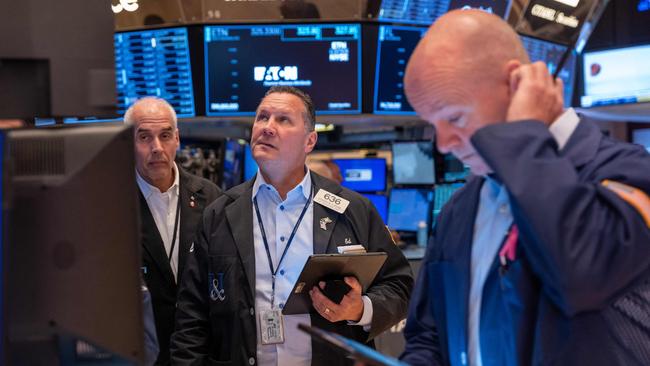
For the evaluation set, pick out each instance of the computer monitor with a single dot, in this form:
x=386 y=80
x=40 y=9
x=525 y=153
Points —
x=154 y=62
x=453 y=169
x=233 y=163
x=407 y=207
x=363 y=175
x=642 y=137
x=413 y=163
x=423 y=12
x=551 y=53
x=500 y=8
x=250 y=165
x=442 y=194
x=381 y=204
x=616 y=76
x=71 y=250
x=243 y=61
x=395 y=45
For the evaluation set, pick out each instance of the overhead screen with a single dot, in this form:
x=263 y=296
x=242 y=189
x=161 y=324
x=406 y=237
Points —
x=395 y=45
x=550 y=54
x=616 y=76
x=413 y=163
x=427 y=11
x=154 y=63
x=242 y=62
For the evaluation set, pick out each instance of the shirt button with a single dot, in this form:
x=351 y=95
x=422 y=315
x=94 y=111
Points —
x=251 y=361
x=282 y=272
x=282 y=207
x=503 y=209
x=282 y=238
x=281 y=305
x=252 y=311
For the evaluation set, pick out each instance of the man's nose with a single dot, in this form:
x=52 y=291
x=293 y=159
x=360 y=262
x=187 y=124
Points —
x=156 y=145
x=446 y=138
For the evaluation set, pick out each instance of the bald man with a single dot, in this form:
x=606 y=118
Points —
x=171 y=204
x=543 y=257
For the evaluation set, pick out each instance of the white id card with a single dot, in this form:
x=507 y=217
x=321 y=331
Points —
x=271 y=326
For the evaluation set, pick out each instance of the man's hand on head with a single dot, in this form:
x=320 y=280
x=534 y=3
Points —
x=534 y=94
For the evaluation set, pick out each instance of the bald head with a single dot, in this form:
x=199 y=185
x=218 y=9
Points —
x=465 y=44
x=150 y=107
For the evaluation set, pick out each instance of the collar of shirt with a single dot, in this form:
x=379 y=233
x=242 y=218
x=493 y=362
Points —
x=562 y=128
x=147 y=189
x=303 y=188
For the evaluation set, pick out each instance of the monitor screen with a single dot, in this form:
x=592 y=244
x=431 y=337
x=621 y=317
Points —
x=363 y=175
x=381 y=204
x=154 y=63
x=250 y=165
x=413 y=163
x=498 y=7
x=550 y=53
x=79 y=120
x=243 y=61
x=412 y=11
x=642 y=137
x=40 y=122
x=408 y=206
x=454 y=169
x=616 y=76
x=442 y=194
x=394 y=48
x=233 y=159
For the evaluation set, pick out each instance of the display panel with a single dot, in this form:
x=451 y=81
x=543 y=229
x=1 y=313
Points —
x=550 y=53
x=395 y=45
x=363 y=175
x=642 y=137
x=242 y=62
x=407 y=207
x=250 y=165
x=442 y=194
x=381 y=204
x=454 y=169
x=616 y=76
x=154 y=63
x=413 y=163
x=412 y=11
x=496 y=7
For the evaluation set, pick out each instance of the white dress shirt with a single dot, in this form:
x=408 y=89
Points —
x=493 y=218
x=163 y=207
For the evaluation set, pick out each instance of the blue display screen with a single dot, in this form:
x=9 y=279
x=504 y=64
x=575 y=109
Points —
x=154 y=63
x=407 y=207
x=250 y=165
x=413 y=163
x=442 y=194
x=550 y=54
x=412 y=11
x=381 y=204
x=393 y=51
x=242 y=62
x=642 y=137
x=363 y=175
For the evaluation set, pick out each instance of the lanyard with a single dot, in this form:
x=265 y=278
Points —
x=176 y=220
x=286 y=248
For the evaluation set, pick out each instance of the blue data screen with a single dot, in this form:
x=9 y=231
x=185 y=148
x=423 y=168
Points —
x=413 y=163
x=242 y=62
x=154 y=63
x=407 y=207
x=363 y=175
x=381 y=204
x=393 y=51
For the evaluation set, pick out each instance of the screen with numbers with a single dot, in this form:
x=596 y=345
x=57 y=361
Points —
x=242 y=62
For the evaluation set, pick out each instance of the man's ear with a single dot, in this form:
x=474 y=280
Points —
x=310 y=143
x=508 y=70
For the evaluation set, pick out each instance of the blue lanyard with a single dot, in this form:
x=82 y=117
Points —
x=286 y=248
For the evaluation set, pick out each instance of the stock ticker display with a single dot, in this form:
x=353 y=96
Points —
x=550 y=53
x=412 y=11
x=154 y=63
x=395 y=45
x=242 y=62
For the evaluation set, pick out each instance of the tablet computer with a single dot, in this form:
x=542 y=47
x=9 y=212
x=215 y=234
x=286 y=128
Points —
x=323 y=267
x=351 y=348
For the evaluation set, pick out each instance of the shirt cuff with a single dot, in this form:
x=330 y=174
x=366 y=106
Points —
x=366 y=317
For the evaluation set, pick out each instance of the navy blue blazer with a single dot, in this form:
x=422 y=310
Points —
x=578 y=292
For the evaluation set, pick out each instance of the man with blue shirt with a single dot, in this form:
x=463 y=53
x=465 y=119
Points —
x=543 y=257
x=253 y=243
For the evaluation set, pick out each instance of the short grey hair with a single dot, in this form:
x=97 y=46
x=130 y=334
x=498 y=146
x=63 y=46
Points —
x=130 y=120
x=309 y=114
